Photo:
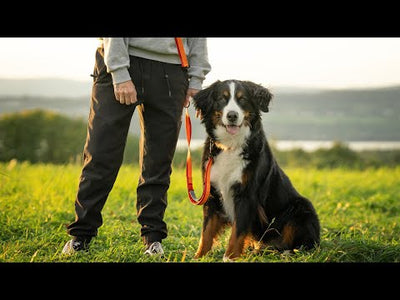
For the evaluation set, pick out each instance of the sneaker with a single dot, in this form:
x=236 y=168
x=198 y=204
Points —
x=154 y=249
x=75 y=245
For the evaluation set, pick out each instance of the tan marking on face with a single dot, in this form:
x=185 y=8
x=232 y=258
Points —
x=216 y=118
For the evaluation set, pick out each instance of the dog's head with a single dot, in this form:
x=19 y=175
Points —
x=232 y=106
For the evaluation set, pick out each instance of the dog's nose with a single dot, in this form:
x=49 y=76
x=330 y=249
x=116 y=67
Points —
x=232 y=116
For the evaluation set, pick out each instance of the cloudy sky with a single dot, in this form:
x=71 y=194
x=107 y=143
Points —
x=300 y=62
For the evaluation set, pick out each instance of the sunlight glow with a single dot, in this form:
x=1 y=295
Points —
x=301 y=62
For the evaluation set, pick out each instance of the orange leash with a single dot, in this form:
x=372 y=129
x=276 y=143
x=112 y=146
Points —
x=181 y=52
x=189 y=179
x=206 y=181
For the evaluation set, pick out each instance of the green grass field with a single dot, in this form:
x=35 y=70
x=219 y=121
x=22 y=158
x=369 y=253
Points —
x=358 y=210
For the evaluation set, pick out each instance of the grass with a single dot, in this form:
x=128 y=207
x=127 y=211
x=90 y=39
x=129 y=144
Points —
x=358 y=210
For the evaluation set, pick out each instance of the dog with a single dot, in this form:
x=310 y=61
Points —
x=249 y=191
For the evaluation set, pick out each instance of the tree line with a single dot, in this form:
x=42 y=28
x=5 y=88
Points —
x=48 y=137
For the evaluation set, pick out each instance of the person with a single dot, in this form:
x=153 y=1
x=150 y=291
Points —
x=129 y=72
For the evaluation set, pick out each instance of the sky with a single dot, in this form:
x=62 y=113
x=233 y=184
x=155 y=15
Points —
x=298 y=62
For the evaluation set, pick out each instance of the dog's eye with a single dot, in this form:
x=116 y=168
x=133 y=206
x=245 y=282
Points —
x=242 y=99
x=222 y=99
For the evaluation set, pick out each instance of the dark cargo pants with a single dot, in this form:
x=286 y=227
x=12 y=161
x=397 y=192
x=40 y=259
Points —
x=162 y=87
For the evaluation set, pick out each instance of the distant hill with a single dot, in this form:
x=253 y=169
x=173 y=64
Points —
x=47 y=87
x=346 y=115
x=295 y=114
x=56 y=87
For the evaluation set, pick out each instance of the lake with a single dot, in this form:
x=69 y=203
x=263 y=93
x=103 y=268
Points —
x=309 y=146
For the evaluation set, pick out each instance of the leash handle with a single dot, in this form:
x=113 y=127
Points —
x=189 y=179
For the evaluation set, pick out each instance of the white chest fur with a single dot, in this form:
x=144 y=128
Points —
x=226 y=171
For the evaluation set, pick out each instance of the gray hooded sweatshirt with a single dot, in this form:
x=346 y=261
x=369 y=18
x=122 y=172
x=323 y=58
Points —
x=117 y=51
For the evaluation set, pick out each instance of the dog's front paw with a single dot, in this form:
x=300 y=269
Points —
x=226 y=258
x=200 y=253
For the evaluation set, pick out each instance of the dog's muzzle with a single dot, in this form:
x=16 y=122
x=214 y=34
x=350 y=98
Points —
x=232 y=127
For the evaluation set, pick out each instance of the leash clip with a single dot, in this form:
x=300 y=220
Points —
x=211 y=145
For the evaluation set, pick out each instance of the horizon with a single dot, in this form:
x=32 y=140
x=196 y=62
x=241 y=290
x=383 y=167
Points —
x=311 y=63
x=281 y=86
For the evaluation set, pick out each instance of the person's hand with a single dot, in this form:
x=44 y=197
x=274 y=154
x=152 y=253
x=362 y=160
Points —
x=189 y=94
x=125 y=92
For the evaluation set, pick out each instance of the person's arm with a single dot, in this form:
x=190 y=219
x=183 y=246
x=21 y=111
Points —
x=116 y=59
x=199 y=66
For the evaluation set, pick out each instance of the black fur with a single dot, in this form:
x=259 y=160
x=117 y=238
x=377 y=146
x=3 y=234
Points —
x=265 y=201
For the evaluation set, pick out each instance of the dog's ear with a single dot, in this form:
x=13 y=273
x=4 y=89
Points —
x=261 y=95
x=203 y=100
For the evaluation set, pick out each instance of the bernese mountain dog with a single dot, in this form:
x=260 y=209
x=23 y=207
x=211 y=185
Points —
x=249 y=191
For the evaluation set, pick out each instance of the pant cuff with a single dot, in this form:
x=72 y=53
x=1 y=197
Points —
x=83 y=238
x=152 y=237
